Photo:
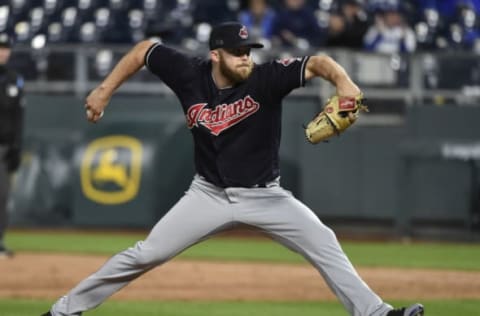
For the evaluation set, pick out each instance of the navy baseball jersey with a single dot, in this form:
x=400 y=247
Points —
x=236 y=130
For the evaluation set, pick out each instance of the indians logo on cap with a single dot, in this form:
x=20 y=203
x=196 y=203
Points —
x=243 y=32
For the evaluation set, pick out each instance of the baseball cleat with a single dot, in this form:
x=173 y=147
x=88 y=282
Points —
x=413 y=310
x=47 y=314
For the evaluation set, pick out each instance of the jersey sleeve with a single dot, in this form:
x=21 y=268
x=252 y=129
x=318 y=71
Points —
x=174 y=68
x=286 y=74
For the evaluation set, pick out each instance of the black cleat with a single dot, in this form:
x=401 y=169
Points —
x=413 y=310
x=47 y=314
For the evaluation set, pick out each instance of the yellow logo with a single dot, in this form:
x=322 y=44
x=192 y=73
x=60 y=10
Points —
x=111 y=169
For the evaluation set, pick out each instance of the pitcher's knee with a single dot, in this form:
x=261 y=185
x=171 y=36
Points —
x=145 y=255
x=330 y=233
x=322 y=231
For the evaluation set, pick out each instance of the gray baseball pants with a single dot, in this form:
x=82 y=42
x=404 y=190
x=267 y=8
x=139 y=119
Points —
x=206 y=209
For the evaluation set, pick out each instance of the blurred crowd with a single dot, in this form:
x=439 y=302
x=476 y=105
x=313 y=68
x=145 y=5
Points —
x=372 y=25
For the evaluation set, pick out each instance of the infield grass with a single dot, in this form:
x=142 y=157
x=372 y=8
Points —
x=459 y=256
x=115 y=308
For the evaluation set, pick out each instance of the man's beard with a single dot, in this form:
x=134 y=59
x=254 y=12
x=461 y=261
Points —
x=238 y=74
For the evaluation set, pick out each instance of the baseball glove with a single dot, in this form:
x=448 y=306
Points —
x=337 y=115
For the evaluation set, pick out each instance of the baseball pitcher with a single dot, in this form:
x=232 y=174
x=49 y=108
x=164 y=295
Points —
x=233 y=108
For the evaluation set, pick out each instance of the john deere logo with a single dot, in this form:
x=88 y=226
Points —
x=111 y=169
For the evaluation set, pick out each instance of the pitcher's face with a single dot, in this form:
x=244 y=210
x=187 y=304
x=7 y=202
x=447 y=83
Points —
x=235 y=63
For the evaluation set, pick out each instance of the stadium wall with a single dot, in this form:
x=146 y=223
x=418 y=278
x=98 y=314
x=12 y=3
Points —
x=393 y=174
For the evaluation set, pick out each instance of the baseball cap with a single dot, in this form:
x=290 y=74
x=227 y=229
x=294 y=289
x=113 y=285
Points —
x=5 y=40
x=354 y=2
x=231 y=35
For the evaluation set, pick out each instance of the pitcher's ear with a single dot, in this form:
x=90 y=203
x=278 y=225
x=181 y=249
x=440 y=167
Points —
x=214 y=55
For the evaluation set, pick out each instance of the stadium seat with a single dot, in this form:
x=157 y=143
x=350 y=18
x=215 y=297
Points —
x=136 y=24
x=55 y=33
x=4 y=17
x=88 y=32
x=86 y=5
x=51 y=7
x=22 y=31
x=103 y=62
x=37 y=15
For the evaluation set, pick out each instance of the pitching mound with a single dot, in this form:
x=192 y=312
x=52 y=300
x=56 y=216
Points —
x=47 y=276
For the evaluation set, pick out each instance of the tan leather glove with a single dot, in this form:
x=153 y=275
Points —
x=337 y=115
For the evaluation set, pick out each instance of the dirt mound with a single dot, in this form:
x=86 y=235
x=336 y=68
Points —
x=47 y=276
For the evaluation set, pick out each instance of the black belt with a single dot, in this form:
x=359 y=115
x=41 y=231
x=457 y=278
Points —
x=223 y=185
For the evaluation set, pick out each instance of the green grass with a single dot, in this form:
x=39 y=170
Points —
x=115 y=308
x=416 y=255
x=70 y=242
x=394 y=254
